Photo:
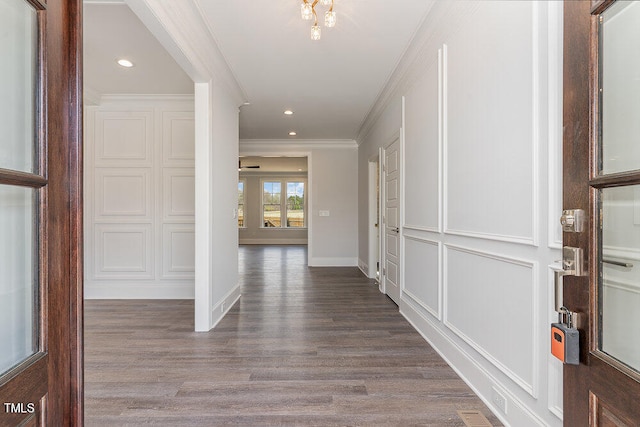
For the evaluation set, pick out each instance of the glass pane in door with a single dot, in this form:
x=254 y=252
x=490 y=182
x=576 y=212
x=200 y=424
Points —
x=18 y=88
x=620 y=87
x=18 y=275
x=620 y=279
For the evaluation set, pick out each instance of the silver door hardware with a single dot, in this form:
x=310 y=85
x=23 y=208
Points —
x=565 y=315
x=565 y=337
x=559 y=290
x=395 y=229
x=572 y=220
x=573 y=261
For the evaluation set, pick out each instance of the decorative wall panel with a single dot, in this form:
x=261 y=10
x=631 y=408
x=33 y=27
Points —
x=124 y=251
x=422 y=151
x=178 y=251
x=491 y=150
x=123 y=138
x=178 y=138
x=178 y=194
x=122 y=193
x=422 y=273
x=500 y=291
x=139 y=200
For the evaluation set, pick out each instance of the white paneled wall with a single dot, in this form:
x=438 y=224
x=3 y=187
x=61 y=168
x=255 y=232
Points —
x=477 y=97
x=139 y=198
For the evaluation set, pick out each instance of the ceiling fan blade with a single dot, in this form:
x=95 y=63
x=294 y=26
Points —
x=247 y=167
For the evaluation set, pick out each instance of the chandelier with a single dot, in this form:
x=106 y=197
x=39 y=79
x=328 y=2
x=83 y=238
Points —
x=308 y=11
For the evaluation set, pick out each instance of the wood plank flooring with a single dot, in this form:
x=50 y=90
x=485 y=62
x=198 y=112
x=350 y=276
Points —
x=304 y=346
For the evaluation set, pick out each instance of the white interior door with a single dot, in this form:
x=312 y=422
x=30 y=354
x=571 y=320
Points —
x=391 y=265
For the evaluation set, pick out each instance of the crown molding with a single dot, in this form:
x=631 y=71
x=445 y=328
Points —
x=126 y=97
x=413 y=55
x=181 y=29
x=302 y=145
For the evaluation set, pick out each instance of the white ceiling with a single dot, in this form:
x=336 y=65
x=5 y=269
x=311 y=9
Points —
x=331 y=84
x=112 y=31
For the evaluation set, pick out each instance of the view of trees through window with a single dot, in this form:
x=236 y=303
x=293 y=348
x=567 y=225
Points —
x=295 y=204
x=273 y=205
x=241 y=204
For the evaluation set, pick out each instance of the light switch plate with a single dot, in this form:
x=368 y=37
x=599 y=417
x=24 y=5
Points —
x=324 y=213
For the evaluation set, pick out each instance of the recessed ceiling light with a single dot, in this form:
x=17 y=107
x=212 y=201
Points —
x=292 y=133
x=125 y=63
x=288 y=112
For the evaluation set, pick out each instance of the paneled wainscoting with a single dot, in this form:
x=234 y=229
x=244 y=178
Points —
x=303 y=346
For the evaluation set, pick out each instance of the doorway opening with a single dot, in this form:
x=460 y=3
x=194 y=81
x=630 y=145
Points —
x=273 y=200
x=373 y=272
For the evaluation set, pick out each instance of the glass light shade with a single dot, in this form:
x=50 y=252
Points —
x=325 y=2
x=306 y=11
x=315 y=32
x=330 y=18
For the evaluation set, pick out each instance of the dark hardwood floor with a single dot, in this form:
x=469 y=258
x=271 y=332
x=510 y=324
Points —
x=303 y=346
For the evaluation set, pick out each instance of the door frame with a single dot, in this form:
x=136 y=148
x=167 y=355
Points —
x=398 y=135
x=374 y=215
x=596 y=375
x=61 y=290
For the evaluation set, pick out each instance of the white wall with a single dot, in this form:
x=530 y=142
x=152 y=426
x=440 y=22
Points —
x=482 y=128
x=332 y=187
x=224 y=285
x=181 y=30
x=253 y=232
x=139 y=198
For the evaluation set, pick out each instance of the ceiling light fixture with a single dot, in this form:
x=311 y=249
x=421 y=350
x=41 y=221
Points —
x=308 y=11
x=288 y=112
x=125 y=63
x=292 y=133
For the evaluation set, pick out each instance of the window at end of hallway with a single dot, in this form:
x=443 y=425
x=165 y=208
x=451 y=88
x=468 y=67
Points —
x=295 y=204
x=241 y=222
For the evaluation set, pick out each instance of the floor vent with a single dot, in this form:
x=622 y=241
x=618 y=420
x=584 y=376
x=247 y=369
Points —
x=474 y=419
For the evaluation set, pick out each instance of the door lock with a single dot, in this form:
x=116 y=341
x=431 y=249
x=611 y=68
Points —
x=565 y=337
x=573 y=261
x=572 y=220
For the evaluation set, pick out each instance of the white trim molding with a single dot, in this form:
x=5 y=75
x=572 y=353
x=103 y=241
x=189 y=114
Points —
x=183 y=32
x=333 y=262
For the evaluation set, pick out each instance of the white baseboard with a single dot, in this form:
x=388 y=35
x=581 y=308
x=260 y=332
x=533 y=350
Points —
x=137 y=290
x=222 y=308
x=472 y=373
x=333 y=262
x=364 y=267
x=363 y=270
x=273 y=241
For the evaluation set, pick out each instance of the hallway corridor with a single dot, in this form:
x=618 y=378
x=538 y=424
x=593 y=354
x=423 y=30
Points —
x=303 y=346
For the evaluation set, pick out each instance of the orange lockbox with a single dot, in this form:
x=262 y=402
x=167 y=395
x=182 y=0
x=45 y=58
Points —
x=565 y=343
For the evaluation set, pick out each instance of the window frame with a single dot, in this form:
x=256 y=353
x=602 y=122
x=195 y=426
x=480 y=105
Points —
x=242 y=181
x=283 y=181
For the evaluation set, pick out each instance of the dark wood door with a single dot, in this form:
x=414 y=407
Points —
x=602 y=177
x=40 y=213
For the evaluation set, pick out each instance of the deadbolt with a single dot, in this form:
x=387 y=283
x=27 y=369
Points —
x=572 y=220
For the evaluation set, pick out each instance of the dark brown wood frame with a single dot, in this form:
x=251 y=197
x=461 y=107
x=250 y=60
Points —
x=64 y=113
x=595 y=377
x=56 y=371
